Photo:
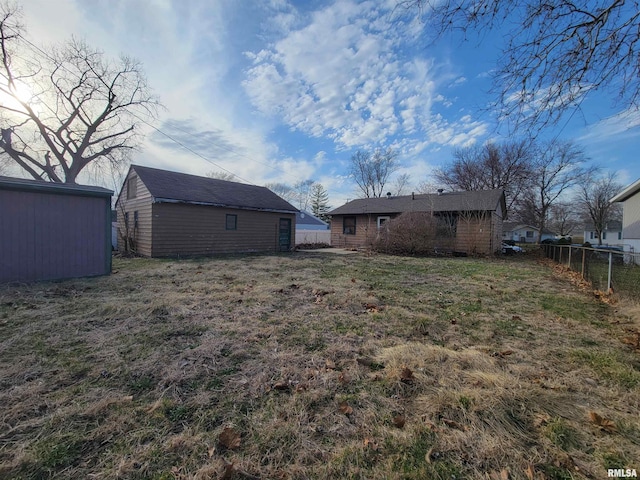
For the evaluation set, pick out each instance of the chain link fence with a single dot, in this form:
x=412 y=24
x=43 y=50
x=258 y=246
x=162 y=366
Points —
x=608 y=269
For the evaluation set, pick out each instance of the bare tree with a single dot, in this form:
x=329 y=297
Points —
x=507 y=166
x=593 y=197
x=282 y=190
x=302 y=191
x=555 y=54
x=563 y=218
x=400 y=184
x=557 y=168
x=222 y=175
x=427 y=187
x=371 y=172
x=67 y=110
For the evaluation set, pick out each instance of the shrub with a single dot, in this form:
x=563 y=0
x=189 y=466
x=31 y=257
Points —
x=411 y=233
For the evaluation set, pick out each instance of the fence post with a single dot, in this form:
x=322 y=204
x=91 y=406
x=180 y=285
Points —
x=584 y=260
x=569 y=259
x=609 y=276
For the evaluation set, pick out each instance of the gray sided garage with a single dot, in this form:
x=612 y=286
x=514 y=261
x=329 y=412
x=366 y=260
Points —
x=51 y=231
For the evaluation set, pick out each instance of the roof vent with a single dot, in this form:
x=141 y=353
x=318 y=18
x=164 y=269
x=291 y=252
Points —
x=388 y=194
x=440 y=190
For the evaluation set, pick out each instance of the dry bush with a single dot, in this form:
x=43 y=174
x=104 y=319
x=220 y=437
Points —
x=412 y=233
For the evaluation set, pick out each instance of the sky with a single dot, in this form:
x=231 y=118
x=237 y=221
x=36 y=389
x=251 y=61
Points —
x=286 y=91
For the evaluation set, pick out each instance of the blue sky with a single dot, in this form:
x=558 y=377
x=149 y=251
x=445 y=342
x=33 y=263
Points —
x=283 y=91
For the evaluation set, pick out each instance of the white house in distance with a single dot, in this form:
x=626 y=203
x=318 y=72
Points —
x=310 y=229
x=630 y=199
x=612 y=234
x=522 y=233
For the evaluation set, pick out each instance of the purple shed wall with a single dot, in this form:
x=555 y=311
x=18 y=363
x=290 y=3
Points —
x=48 y=236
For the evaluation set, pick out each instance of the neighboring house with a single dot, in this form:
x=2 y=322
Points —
x=474 y=219
x=612 y=234
x=311 y=229
x=522 y=233
x=52 y=231
x=163 y=213
x=630 y=199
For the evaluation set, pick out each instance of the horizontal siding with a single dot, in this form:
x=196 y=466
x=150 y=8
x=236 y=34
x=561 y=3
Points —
x=473 y=235
x=631 y=218
x=366 y=231
x=53 y=236
x=142 y=204
x=180 y=229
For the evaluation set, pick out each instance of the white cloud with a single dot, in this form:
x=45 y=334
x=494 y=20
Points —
x=623 y=125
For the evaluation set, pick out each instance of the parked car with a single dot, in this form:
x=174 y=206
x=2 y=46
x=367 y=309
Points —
x=510 y=249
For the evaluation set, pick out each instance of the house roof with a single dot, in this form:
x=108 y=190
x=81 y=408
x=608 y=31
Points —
x=306 y=218
x=627 y=192
x=480 y=200
x=610 y=225
x=11 y=183
x=512 y=226
x=174 y=187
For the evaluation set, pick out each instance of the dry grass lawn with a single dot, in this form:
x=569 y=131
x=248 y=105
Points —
x=317 y=366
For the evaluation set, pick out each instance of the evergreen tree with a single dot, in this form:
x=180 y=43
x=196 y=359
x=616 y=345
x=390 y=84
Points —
x=320 y=202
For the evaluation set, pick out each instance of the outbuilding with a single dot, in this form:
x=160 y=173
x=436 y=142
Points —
x=163 y=214
x=52 y=231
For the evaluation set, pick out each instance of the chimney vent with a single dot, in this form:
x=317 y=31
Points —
x=440 y=190
x=413 y=196
x=388 y=194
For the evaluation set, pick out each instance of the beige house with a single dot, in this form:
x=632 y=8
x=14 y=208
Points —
x=473 y=219
x=630 y=199
x=163 y=213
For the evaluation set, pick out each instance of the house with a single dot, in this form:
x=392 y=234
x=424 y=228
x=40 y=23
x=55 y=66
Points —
x=611 y=235
x=473 y=220
x=630 y=199
x=163 y=213
x=523 y=233
x=311 y=229
x=53 y=231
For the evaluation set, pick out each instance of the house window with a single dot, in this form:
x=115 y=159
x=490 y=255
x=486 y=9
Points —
x=132 y=187
x=382 y=221
x=231 y=222
x=349 y=225
x=126 y=219
x=619 y=235
x=604 y=235
x=529 y=234
x=590 y=235
x=135 y=219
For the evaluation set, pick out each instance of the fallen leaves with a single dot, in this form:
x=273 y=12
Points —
x=345 y=408
x=229 y=438
x=281 y=386
x=372 y=308
x=406 y=375
x=454 y=424
x=502 y=354
x=371 y=444
x=633 y=340
x=399 y=421
x=604 y=424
